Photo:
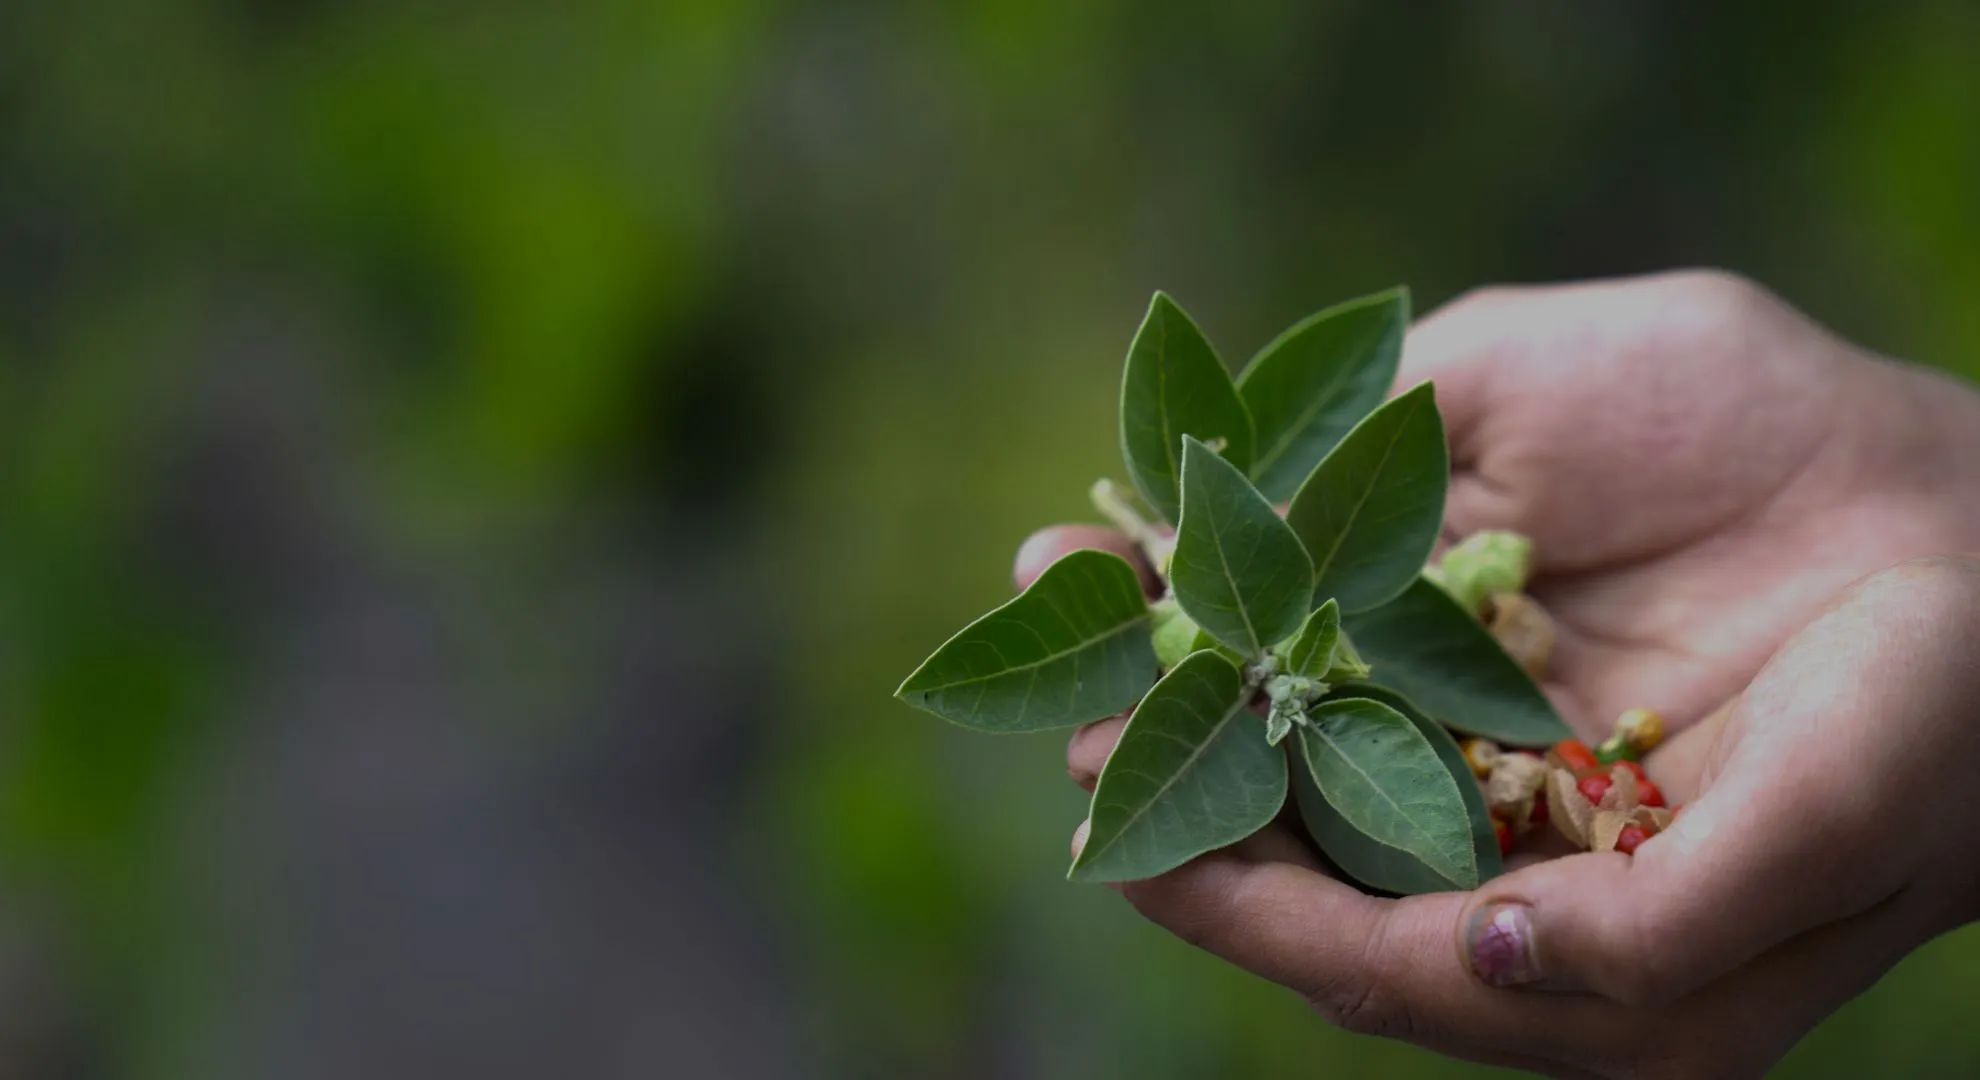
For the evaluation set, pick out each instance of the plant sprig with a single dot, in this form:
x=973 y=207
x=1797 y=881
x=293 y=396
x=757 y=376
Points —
x=1306 y=655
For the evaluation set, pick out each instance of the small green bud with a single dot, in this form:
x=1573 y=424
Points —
x=1175 y=632
x=1615 y=748
x=1493 y=561
x=1177 y=635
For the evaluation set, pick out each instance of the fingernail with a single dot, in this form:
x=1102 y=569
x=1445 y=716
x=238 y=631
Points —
x=1500 y=940
x=1079 y=837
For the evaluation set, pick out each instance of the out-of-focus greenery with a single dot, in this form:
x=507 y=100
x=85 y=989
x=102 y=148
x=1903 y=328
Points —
x=843 y=288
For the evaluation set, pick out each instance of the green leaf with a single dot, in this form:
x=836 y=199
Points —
x=1384 y=777
x=1192 y=773
x=1316 y=381
x=1312 y=652
x=1238 y=570
x=1432 y=651
x=1348 y=664
x=1175 y=386
x=1370 y=512
x=1391 y=869
x=1072 y=648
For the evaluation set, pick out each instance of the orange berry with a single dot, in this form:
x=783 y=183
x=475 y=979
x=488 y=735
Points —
x=1594 y=787
x=1575 y=754
x=1648 y=793
x=1629 y=838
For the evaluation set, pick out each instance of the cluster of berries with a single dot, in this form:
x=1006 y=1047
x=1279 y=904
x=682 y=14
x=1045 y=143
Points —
x=1600 y=799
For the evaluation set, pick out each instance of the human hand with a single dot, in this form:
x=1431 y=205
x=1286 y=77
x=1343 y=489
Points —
x=1701 y=468
x=1835 y=829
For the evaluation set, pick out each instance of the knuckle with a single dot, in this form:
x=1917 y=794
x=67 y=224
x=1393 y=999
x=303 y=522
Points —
x=1359 y=997
x=1637 y=975
x=1710 y=300
x=1484 y=298
x=1348 y=1004
x=1637 y=987
x=1712 y=287
x=1698 y=308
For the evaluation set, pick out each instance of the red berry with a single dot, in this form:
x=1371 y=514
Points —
x=1575 y=754
x=1504 y=832
x=1594 y=787
x=1629 y=838
x=1539 y=816
x=1635 y=767
x=1648 y=793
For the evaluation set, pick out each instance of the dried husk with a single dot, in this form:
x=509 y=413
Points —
x=1568 y=808
x=1606 y=828
x=1523 y=628
x=1624 y=792
x=1481 y=755
x=1515 y=779
x=1654 y=819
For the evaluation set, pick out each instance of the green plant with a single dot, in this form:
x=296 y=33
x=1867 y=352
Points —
x=1306 y=654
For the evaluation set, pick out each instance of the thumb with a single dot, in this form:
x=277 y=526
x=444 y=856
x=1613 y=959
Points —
x=1704 y=897
x=1796 y=831
x=1773 y=848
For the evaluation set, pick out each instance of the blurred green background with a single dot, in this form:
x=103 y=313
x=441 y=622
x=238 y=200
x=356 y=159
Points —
x=470 y=476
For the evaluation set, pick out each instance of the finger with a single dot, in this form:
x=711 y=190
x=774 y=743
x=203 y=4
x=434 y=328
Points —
x=1725 y=882
x=1461 y=346
x=1740 y=1025
x=1386 y=968
x=1789 y=835
x=1471 y=349
x=1372 y=966
x=1046 y=546
x=1091 y=744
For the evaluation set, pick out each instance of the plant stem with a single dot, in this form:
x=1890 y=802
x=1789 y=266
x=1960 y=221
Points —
x=1116 y=505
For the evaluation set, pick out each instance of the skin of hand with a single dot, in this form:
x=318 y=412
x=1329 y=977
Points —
x=1704 y=473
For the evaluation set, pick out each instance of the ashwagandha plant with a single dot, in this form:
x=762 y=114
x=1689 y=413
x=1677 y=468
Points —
x=1308 y=654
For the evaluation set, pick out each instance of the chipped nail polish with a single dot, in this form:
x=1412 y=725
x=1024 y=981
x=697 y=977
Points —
x=1500 y=941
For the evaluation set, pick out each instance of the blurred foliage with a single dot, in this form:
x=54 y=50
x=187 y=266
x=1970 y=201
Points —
x=794 y=273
